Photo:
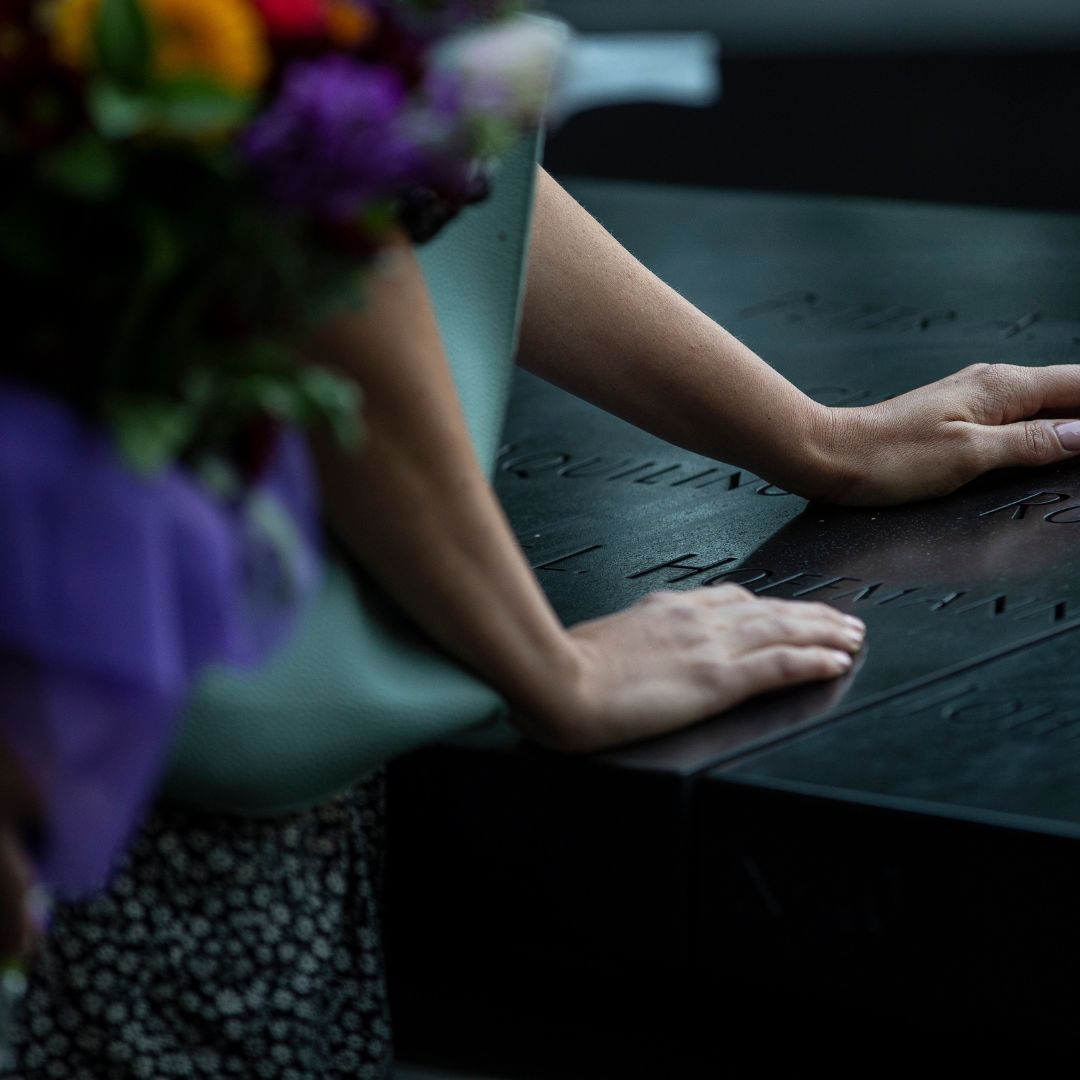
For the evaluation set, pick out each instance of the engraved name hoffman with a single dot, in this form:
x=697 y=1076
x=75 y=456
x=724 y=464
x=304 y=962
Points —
x=838 y=587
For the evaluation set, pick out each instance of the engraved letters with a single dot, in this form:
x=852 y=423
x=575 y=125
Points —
x=853 y=589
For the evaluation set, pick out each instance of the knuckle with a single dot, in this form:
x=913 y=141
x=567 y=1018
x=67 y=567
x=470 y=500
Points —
x=682 y=612
x=660 y=597
x=787 y=662
x=730 y=589
x=974 y=372
x=991 y=376
x=995 y=383
x=1037 y=446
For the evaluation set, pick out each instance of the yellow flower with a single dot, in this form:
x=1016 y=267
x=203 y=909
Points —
x=220 y=39
x=73 y=30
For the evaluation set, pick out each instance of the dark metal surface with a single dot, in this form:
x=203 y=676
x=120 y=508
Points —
x=955 y=742
x=866 y=301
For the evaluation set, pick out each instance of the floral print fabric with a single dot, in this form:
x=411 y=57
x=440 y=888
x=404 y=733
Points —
x=225 y=947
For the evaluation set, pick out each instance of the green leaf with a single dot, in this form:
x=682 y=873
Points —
x=150 y=433
x=274 y=396
x=490 y=136
x=118 y=113
x=123 y=42
x=198 y=107
x=335 y=401
x=219 y=477
x=272 y=521
x=86 y=167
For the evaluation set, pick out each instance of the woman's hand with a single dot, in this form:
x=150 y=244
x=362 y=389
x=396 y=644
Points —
x=678 y=657
x=928 y=442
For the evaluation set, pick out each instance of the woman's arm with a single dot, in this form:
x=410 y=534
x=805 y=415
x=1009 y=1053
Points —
x=600 y=324
x=414 y=507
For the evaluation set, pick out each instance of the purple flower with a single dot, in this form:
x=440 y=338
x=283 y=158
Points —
x=116 y=592
x=334 y=139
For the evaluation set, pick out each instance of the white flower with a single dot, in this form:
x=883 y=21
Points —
x=505 y=68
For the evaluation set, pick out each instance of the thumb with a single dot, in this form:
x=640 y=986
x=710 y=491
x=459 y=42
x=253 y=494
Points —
x=1029 y=442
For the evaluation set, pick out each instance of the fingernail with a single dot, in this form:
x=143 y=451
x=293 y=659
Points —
x=843 y=659
x=856 y=637
x=1069 y=435
x=858 y=624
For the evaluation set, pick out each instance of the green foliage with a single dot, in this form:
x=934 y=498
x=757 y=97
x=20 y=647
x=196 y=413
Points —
x=194 y=107
x=147 y=287
x=123 y=43
x=117 y=112
x=150 y=432
x=181 y=108
x=87 y=167
x=491 y=136
x=334 y=401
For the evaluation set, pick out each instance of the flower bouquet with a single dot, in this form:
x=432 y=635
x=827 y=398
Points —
x=187 y=187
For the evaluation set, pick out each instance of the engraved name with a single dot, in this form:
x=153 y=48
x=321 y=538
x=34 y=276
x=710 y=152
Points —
x=1036 y=503
x=718 y=478
x=807 y=308
x=1018 y=712
x=807 y=583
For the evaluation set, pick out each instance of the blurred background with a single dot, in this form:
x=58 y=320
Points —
x=970 y=101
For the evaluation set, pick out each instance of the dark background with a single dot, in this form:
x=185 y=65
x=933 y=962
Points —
x=968 y=101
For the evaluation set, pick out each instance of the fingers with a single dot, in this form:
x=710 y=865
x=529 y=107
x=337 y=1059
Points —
x=779 y=666
x=1029 y=442
x=1008 y=392
x=795 y=624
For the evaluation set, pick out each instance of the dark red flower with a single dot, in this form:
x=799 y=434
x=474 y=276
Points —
x=293 y=18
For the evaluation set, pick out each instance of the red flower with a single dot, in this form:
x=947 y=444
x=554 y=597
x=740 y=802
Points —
x=293 y=18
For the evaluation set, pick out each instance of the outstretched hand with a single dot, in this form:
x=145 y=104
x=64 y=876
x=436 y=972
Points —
x=675 y=658
x=930 y=441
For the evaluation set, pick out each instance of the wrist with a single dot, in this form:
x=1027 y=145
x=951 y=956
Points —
x=835 y=464
x=556 y=710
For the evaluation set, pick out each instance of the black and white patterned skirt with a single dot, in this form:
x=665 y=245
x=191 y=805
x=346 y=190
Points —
x=224 y=947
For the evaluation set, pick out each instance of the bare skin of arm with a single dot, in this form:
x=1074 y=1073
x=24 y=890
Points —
x=414 y=507
x=603 y=326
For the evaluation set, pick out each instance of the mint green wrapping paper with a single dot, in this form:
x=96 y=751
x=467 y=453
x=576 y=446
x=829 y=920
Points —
x=357 y=685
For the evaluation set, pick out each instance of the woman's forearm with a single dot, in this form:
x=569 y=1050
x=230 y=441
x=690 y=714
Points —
x=600 y=324
x=414 y=507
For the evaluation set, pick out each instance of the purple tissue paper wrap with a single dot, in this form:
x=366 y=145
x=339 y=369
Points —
x=115 y=591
